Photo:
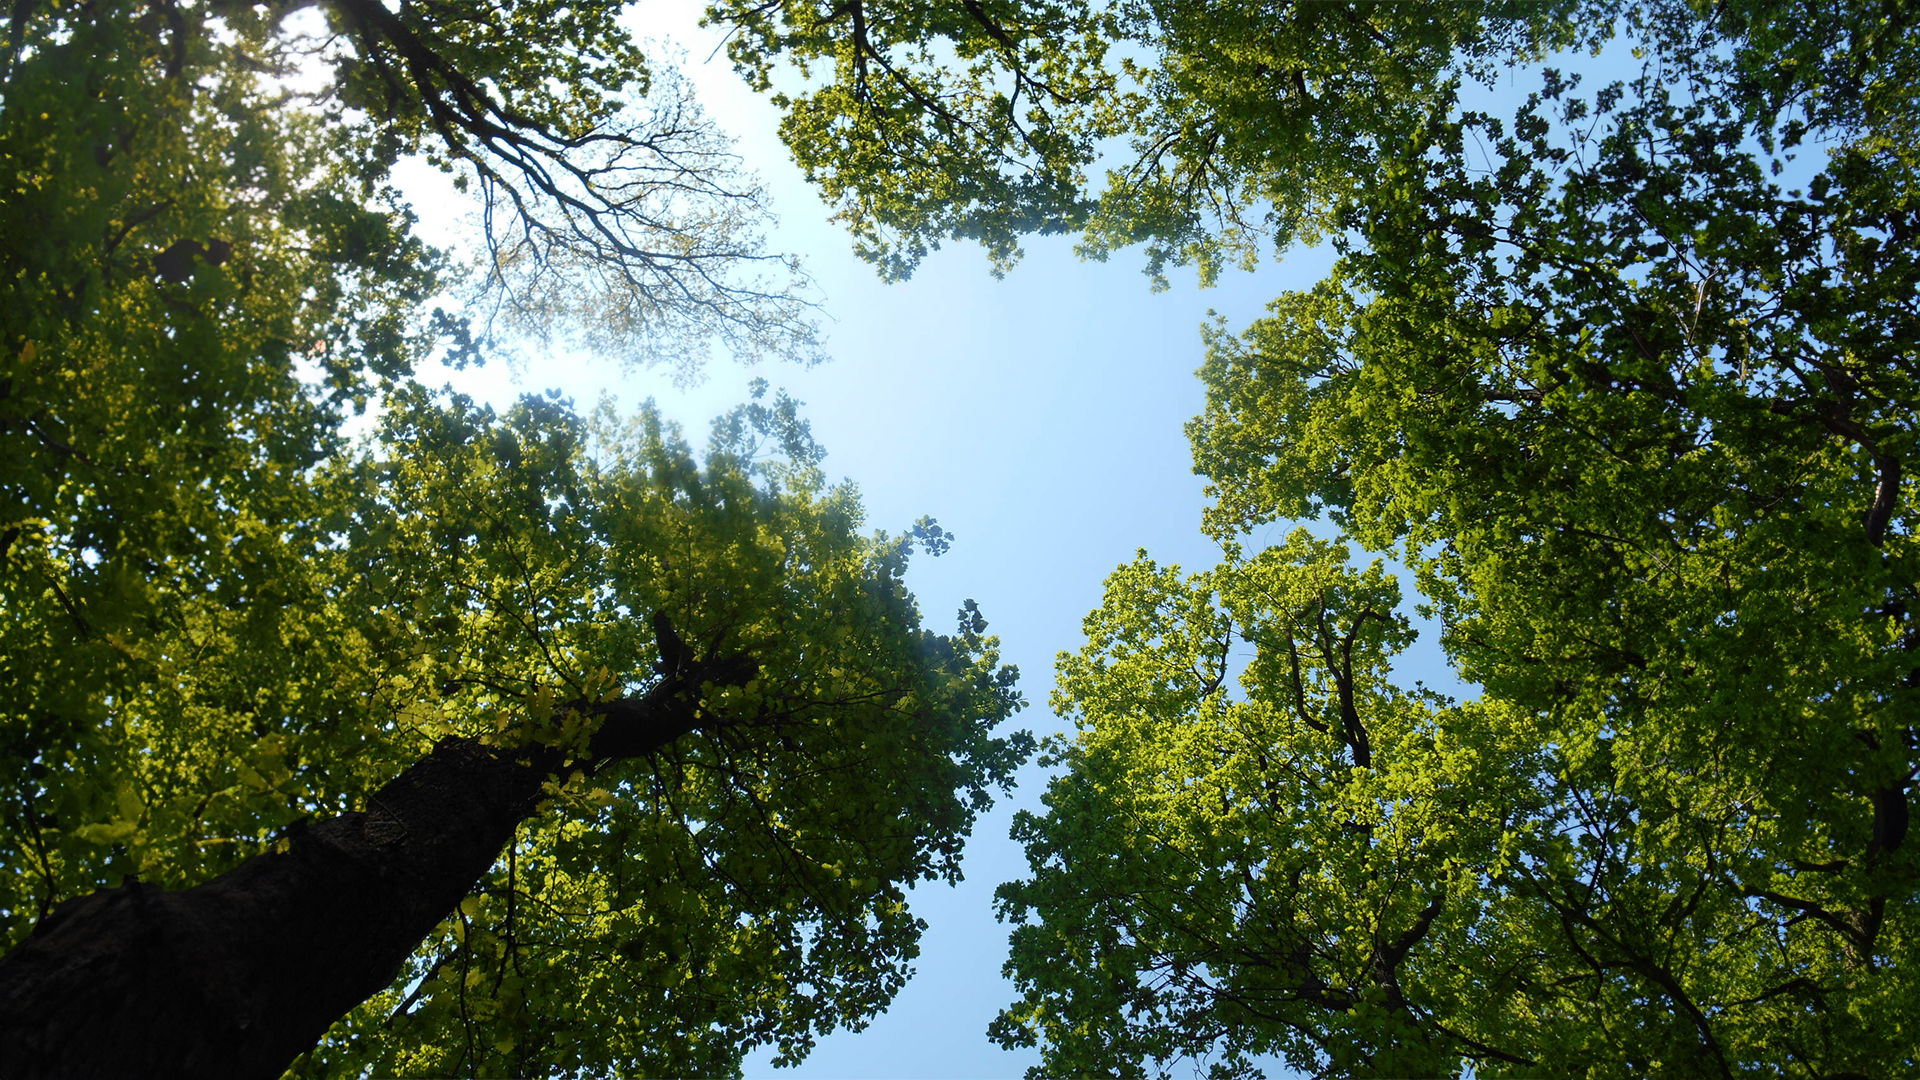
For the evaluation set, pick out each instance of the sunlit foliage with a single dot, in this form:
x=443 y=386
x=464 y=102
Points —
x=1622 y=371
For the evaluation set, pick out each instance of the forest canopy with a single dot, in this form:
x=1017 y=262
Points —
x=1619 y=373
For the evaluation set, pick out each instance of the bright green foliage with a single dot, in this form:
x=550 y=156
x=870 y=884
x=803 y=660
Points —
x=1627 y=378
x=981 y=120
x=178 y=240
x=466 y=577
x=1277 y=871
x=218 y=616
x=747 y=884
x=172 y=249
x=1254 y=127
x=961 y=119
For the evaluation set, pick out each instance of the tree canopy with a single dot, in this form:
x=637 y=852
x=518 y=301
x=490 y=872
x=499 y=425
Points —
x=527 y=742
x=1624 y=378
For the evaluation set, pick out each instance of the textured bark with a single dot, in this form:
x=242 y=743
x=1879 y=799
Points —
x=236 y=977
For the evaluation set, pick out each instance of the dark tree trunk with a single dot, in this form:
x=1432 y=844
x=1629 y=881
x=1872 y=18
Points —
x=237 y=977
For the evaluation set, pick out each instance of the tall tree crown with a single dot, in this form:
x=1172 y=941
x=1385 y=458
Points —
x=231 y=633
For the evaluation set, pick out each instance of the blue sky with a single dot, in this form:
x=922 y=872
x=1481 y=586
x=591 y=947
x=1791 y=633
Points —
x=1039 y=418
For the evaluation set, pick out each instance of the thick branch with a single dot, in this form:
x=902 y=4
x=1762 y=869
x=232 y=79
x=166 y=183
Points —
x=1388 y=956
x=1890 y=817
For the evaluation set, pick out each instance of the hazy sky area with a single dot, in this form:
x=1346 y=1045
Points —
x=1039 y=418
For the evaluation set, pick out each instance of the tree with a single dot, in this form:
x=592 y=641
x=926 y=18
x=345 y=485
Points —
x=1624 y=379
x=1626 y=383
x=523 y=743
x=707 y=817
x=1268 y=875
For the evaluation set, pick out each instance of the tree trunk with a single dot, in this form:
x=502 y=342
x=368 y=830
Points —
x=238 y=976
